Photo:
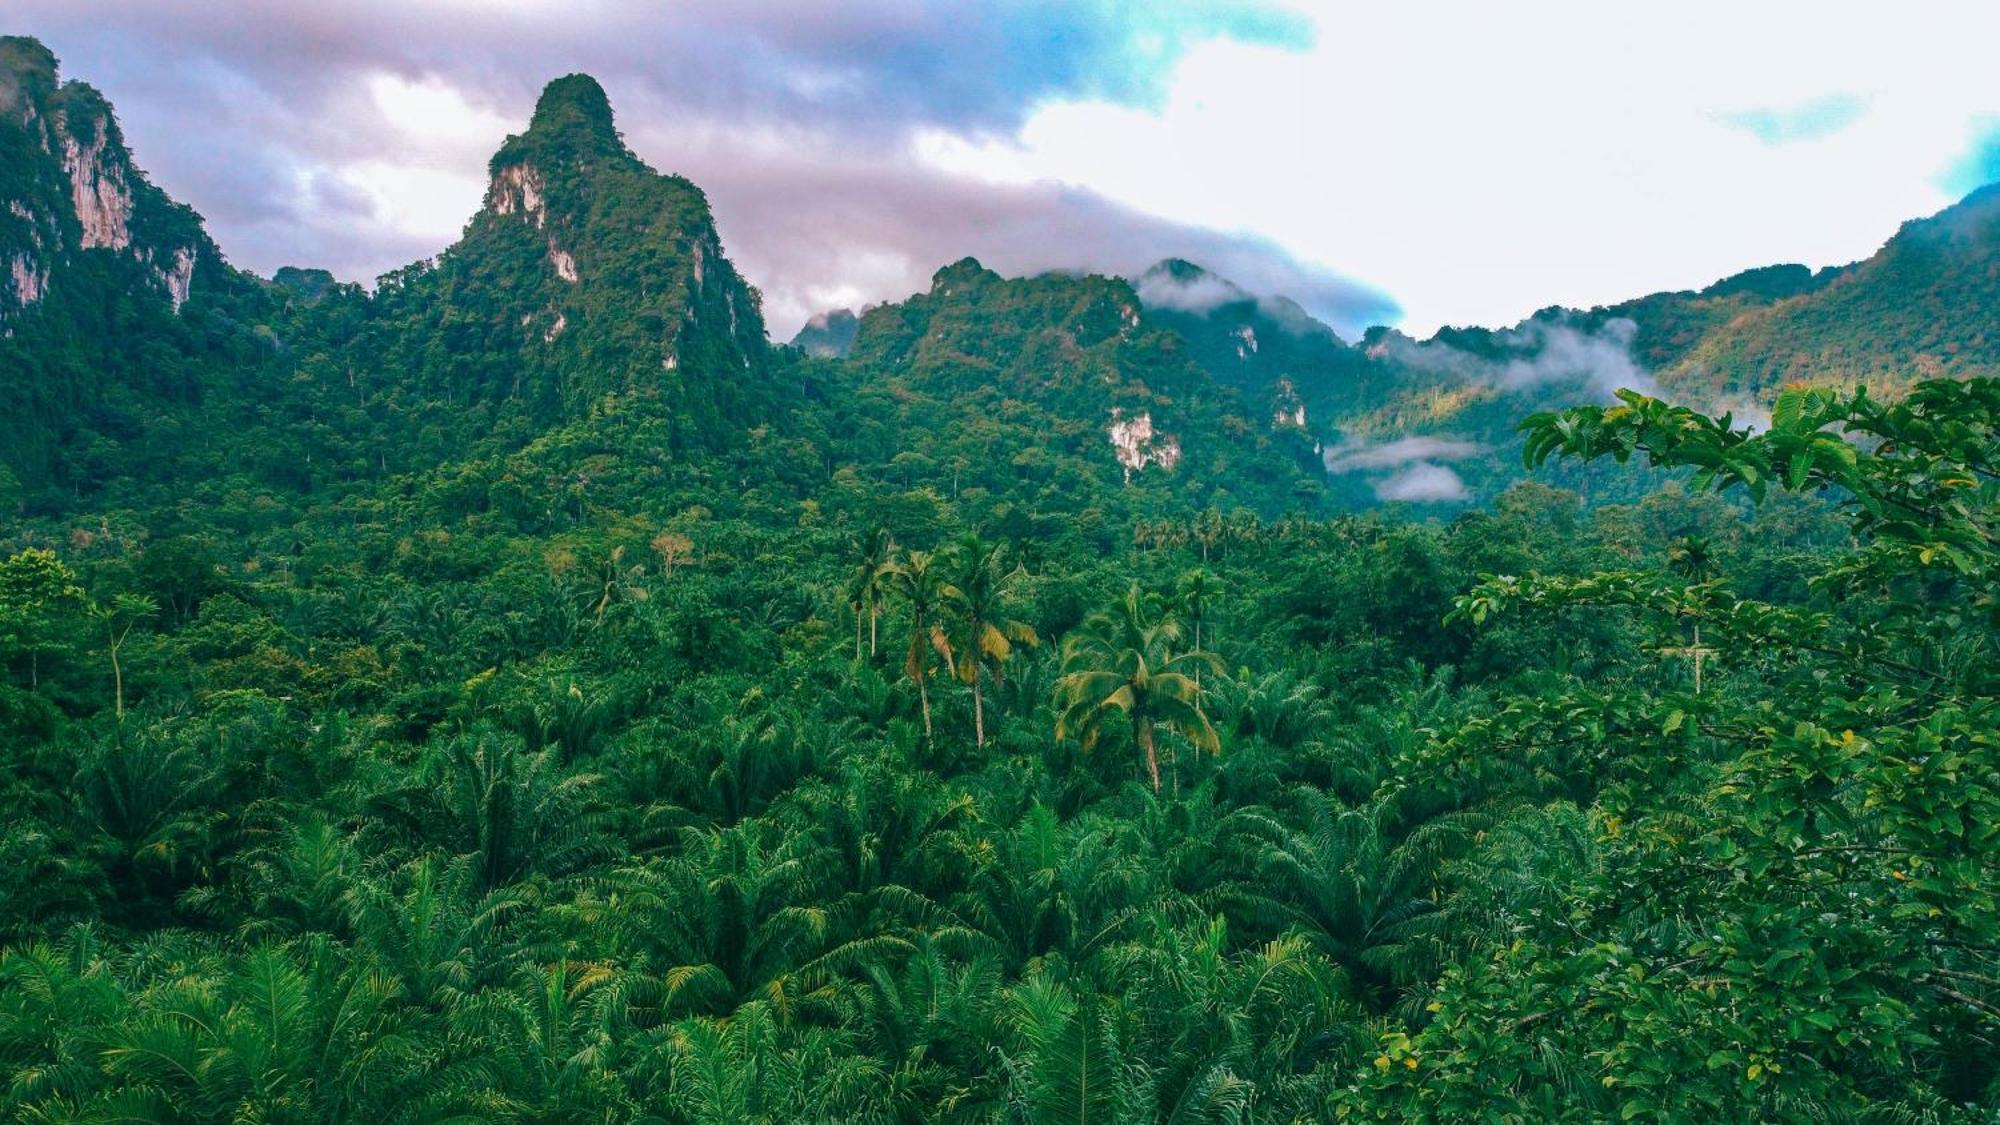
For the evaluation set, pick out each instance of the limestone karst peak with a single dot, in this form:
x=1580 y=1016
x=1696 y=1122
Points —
x=573 y=118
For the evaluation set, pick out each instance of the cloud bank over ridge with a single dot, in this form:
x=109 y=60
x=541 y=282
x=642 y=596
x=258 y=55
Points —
x=356 y=138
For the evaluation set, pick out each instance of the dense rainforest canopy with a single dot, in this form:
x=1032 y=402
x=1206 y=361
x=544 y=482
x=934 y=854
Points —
x=520 y=693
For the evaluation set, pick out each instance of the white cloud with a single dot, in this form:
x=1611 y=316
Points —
x=1397 y=453
x=1474 y=161
x=1423 y=482
x=1159 y=289
x=1414 y=473
x=1538 y=352
x=1479 y=161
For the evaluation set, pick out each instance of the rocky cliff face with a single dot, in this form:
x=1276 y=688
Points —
x=118 y=315
x=70 y=187
x=581 y=250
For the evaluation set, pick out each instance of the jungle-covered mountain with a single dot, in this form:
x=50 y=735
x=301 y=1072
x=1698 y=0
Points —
x=586 y=280
x=522 y=693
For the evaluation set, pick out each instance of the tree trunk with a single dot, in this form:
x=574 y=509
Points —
x=978 y=709
x=873 y=612
x=1152 y=759
x=1697 y=658
x=857 y=631
x=1197 y=667
x=118 y=683
x=924 y=698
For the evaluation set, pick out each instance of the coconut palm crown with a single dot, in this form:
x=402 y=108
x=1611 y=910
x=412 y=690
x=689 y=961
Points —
x=1128 y=658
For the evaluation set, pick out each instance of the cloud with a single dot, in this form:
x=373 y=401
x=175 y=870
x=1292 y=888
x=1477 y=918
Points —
x=1531 y=354
x=355 y=137
x=1423 y=482
x=1282 y=287
x=1395 y=454
x=1805 y=121
x=1163 y=289
x=816 y=228
x=1979 y=164
x=1477 y=167
x=1414 y=473
x=1498 y=159
x=1746 y=414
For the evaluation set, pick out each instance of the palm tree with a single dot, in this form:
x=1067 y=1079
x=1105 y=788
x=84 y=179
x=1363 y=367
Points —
x=1124 y=660
x=919 y=581
x=1196 y=592
x=1353 y=881
x=513 y=813
x=432 y=930
x=553 y=1032
x=747 y=1068
x=614 y=583
x=1690 y=557
x=1242 y=1014
x=979 y=629
x=868 y=583
x=1209 y=530
x=1070 y=1065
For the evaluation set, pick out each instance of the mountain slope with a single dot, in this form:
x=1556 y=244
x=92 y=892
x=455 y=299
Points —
x=828 y=335
x=587 y=284
x=1269 y=349
x=1064 y=377
x=115 y=306
x=1920 y=307
x=584 y=274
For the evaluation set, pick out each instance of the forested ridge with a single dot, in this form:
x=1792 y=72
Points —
x=522 y=694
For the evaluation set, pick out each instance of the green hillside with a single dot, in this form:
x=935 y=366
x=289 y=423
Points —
x=117 y=313
x=520 y=693
x=1917 y=309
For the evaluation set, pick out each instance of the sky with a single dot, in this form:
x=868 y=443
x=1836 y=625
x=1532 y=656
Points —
x=1415 y=164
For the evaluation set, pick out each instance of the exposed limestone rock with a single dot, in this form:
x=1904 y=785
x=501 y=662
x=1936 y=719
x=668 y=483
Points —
x=555 y=329
x=1246 y=345
x=180 y=280
x=565 y=264
x=518 y=189
x=98 y=189
x=1137 y=444
x=1288 y=410
x=31 y=280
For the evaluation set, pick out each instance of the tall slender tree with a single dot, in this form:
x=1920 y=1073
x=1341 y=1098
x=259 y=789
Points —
x=978 y=630
x=1127 y=658
x=36 y=590
x=1196 y=592
x=118 y=619
x=918 y=578
x=868 y=582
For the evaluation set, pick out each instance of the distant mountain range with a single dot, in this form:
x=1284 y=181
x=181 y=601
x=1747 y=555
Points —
x=588 y=285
